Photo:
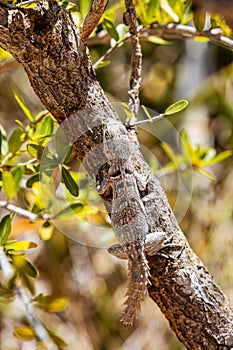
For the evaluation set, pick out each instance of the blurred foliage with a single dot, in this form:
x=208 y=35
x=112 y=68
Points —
x=77 y=289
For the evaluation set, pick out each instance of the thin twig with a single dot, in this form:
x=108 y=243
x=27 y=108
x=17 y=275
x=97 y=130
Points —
x=151 y=120
x=170 y=32
x=40 y=330
x=109 y=52
x=23 y=212
x=92 y=18
x=130 y=19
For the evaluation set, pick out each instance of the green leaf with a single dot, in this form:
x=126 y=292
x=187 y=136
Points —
x=103 y=64
x=20 y=124
x=46 y=126
x=85 y=6
x=153 y=6
x=16 y=140
x=50 y=303
x=145 y=110
x=0 y=142
x=65 y=154
x=46 y=231
x=28 y=6
x=62 y=145
x=206 y=174
x=28 y=283
x=219 y=158
x=8 y=182
x=5 y=228
x=69 y=182
x=157 y=40
x=30 y=270
x=72 y=209
x=23 y=106
x=6 y=293
x=4 y=54
x=34 y=178
x=199 y=20
x=176 y=107
x=25 y=333
x=17 y=174
x=169 y=151
x=61 y=344
x=24 y=266
x=109 y=26
x=185 y=145
x=35 y=150
x=3 y=141
x=20 y=245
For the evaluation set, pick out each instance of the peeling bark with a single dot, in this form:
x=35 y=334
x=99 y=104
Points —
x=46 y=42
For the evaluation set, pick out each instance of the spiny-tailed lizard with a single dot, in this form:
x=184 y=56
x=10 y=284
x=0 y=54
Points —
x=129 y=221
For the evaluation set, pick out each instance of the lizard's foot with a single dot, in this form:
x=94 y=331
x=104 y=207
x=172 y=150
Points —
x=118 y=251
x=154 y=242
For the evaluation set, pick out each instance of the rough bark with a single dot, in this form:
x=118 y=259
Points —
x=45 y=41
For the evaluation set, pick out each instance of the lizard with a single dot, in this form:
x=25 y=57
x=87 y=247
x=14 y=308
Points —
x=129 y=221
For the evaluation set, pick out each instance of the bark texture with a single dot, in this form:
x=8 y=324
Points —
x=45 y=41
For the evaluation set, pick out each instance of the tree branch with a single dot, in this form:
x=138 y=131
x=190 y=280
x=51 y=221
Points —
x=130 y=19
x=62 y=76
x=92 y=18
x=20 y=211
x=170 y=32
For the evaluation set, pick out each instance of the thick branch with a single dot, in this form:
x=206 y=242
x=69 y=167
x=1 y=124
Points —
x=46 y=42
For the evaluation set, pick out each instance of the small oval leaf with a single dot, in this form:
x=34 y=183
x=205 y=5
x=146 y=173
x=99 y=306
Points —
x=34 y=178
x=69 y=182
x=5 y=228
x=46 y=127
x=110 y=28
x=23 y=106
x=35 y=150
x=15 y=141
x=46 y=231
x=17 y=174
x=21 y=245
x=199 y=19
x=176 y=107
x=50 y=303
x=25 y=333
x=72 y=209
x=8 y=182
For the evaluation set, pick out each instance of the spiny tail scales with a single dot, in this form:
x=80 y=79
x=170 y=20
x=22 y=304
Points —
x=138 y=272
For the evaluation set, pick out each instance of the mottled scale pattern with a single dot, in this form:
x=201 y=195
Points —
x=138 y=273
x=130 y=226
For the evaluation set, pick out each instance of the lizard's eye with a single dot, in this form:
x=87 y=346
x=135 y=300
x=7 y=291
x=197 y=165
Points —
x=128 y=171
x=117 y=173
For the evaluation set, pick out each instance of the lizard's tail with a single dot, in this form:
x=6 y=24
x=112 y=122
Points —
x=138 y=271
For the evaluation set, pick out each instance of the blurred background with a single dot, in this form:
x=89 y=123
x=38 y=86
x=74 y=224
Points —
x=93 y=281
